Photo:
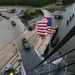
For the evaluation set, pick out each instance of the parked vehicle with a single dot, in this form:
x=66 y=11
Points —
x=32 y=27
x=6 y=17
x=22 y=10
x=13 y=23
x=3 y=16
x=9 y=67
x=25 y=44
x=11 y=11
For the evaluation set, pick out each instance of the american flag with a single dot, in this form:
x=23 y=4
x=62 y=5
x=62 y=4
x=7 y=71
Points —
x=49 y=25
x=44 y=26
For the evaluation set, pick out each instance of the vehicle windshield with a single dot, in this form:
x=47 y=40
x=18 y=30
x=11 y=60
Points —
x=25 y=41
x=26 y=45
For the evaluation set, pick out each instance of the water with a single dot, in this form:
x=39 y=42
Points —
x=64 y=28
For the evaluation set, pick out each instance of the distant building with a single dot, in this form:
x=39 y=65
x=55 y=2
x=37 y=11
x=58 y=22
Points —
x=59 y=2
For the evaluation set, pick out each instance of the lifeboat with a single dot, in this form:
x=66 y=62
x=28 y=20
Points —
x=58 y=16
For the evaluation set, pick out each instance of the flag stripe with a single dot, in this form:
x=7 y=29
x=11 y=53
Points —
x=41 y=33
x=41 y=30
x=44 y=21
x=42 y=27
x=42 y=24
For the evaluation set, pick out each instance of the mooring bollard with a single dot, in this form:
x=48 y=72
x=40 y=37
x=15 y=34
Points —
x=72 y=15
x=70 y=19
x=67 y=22
x=13 y=44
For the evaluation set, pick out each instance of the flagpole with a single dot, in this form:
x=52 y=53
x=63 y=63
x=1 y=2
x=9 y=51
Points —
x=49 y=43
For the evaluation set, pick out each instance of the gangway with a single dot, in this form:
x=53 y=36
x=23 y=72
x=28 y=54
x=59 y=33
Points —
x=29 y=59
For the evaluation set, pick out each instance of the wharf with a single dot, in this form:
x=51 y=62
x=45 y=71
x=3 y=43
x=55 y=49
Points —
x=9 y=49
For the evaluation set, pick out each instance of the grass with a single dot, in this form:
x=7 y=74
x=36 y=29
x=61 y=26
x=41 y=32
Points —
x=30 y=13
x=33 y=12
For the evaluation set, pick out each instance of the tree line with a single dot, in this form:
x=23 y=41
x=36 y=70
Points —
x=36 y=3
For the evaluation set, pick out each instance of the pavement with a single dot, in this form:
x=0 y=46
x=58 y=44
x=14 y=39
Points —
x=9 y=32
x=46 y=13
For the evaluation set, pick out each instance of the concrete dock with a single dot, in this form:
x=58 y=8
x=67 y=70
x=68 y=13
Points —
x=10 y=35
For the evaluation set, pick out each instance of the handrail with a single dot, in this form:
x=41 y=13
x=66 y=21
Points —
x=60 y=56
x=58 y=68
x=65 y=39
